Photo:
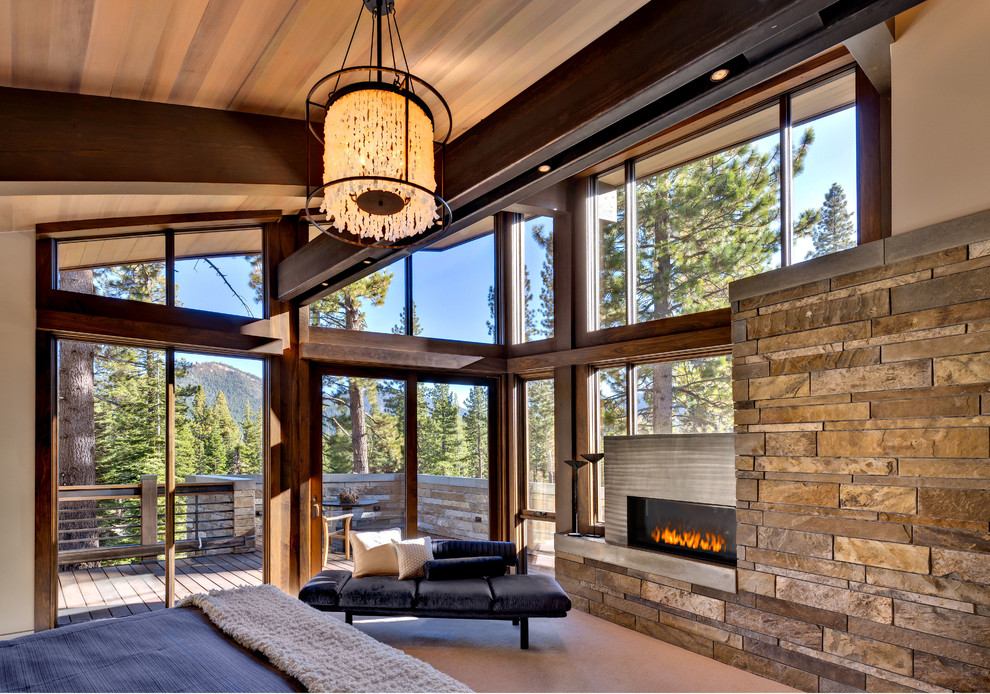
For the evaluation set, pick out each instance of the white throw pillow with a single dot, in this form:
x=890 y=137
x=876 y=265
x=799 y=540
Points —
x=374 y=554
x=412 y=555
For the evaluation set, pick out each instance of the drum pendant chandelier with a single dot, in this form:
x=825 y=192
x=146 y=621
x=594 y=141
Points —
x=379 y=188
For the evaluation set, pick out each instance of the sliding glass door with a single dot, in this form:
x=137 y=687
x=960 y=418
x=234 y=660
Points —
x=363 y=447
x=116 y=436
x=453 y=440
x=405 y=450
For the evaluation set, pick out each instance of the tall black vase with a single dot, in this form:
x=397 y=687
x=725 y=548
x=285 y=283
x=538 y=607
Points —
x=575 y=466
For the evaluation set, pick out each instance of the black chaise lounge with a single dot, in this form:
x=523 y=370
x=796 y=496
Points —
x=481 y=589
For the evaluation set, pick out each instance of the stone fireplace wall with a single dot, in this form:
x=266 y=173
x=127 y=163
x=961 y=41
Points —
x=862 y=388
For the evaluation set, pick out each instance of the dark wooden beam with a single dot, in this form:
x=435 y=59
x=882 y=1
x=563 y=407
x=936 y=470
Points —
x=681 y=345
x=88 y=316
x=873 y=176
x=51 y=136
x=373 y=356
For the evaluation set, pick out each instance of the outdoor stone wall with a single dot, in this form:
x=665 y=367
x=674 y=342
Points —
x=214 y=513
x=454 y=507
x=448 y=506
x=862 y=388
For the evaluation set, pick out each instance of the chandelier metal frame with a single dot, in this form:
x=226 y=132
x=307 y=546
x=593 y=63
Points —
x=347 y=80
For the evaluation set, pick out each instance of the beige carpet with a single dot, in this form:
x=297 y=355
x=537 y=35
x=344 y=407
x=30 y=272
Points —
x=579 y=653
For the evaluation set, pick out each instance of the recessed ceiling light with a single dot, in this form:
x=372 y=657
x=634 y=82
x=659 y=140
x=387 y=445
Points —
x=719 y=74
x=367 y=261
x=544 y=168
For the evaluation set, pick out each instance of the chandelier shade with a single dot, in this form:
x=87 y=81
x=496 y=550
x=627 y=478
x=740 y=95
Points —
x=380 y=154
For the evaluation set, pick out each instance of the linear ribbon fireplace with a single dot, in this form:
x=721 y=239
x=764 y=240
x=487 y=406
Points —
x=701 y=531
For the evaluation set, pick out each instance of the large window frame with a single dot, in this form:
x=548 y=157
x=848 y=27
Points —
x=170 y=260
x=782 y=101
x=412 y=379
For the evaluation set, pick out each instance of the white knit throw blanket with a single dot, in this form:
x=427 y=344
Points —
x=322 y=652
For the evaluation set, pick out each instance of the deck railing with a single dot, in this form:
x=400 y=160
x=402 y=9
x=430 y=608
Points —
x=120 y=521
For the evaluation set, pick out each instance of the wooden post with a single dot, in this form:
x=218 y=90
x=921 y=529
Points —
x=149 y=511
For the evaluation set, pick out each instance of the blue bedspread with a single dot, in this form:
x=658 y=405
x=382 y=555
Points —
x=174 y=650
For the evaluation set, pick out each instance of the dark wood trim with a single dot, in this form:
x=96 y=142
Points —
x=292 y=530
x=170 y=476
x=703 y=320
x=123 y=226
x=170 y=268
x=496 y=472
x=786 y=181
x=873 y=163
x=564 y=445
x=686 y=345
x=90 y=317
x=336 y=337
x=370 y=356
x=412 y=457
x=45 y=485
x=52 y=136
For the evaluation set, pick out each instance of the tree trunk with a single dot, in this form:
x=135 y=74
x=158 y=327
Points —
x=359 y=429
x=662 y=387
x=663 y=397
x=76 y=435
x=481 y=456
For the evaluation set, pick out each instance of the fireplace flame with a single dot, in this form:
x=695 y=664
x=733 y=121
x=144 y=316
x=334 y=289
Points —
x=692 y=539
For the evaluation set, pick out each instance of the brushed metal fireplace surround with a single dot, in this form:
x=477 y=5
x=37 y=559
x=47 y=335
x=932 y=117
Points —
x=698 y=468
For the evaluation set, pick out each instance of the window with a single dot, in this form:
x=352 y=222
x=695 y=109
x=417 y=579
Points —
x=376 y=303
x=540 y=446
x=453 y=291
x=683 y=397
x=610 y=206
x=537 y=253
x=675 y=227
x=824 y=189
x=217 y=271
x=447 y=289
x=120 y=267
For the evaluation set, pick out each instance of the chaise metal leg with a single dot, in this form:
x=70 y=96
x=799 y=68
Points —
x=524 y=633
x=348 y=618
x=515 y=622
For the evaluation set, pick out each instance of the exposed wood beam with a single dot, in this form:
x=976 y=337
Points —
x=96 y=317
x=57 y=137
x=871 y=49
x=681 y=345
x=623 y=88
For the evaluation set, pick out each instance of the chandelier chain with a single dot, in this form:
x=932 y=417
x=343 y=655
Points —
x=349 y=44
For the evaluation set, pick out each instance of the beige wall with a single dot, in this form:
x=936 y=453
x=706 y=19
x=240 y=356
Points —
x=940 y=102
x=17 y=321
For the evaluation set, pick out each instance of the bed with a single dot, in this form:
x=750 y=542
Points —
x=252 y=639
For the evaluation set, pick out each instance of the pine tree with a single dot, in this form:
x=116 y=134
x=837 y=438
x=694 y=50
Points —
x=475 y=427
x=540 y=430
x=700 y=225
x=230 y=435
x=834 y=230
x=249 y=453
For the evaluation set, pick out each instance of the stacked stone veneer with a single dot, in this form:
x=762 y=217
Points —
x=863 y=470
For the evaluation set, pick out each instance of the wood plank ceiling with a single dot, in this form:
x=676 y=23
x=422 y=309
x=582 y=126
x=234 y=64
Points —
x=262 y=56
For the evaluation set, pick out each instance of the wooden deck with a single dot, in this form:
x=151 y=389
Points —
x=118 y=591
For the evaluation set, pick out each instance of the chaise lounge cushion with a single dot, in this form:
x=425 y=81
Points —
x=378 y=592
x=323 y=590
x=447 y=549
x=527 y=594
x=462 y=595
x=463 y=567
